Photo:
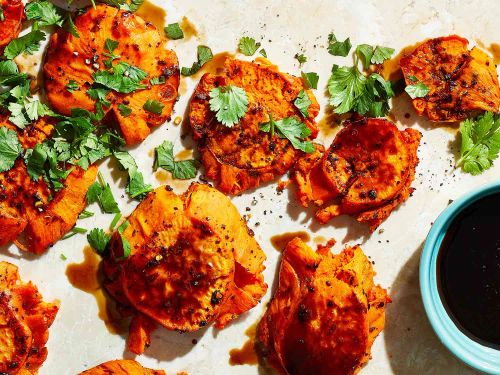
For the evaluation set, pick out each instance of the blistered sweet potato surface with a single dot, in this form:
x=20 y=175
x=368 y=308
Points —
x=243 y=157
x=13 y=12
x=366 y=172
x=29 y=207
x=140 y=44
x=460 y=80
x=325 y=314
x=24 y=323
x=192 y=262
x=122 y=367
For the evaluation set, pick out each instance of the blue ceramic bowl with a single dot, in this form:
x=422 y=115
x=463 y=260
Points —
x=475 y=355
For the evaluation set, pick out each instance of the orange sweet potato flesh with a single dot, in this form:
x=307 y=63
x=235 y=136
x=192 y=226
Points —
x=366 y=172
x=25 y=205
x=140 y=44
x=13 y=11
x=243 y=157
x=24 y=323
x=325 y=314
x=461 y=81
x=193 y=261
x=122 y=367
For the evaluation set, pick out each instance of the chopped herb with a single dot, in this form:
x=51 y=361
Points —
x=101 y=193
x=98 y=240
x=85 y=214
x=63 y=257
x=124 y=110
x=310 y=80
x=10 y=148
x=44 y=13
x=418 y=90
x=2 y=15
x=337 y=48
x=480 y=143
x=72 y=86
x=153 y=106
x=248 y=46
x=157 y=80
x=75 y=230
x=204 y=55
x=301 y=58
x=123 y=78
x=302 y=103
x=70 y=26
x=230 y=104
x=174 y=31
x=115 y=220
x=292 y=129
x=263 y=53
x=28 y=43
x=136 y=188
x=184 y=169
x=125 y=244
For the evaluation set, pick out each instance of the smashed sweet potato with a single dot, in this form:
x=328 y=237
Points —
x=243 y=157
x=325 y=314
x=10 y=26
x=140 y=44
x=122 y=367
x=460 y=81
x=24 y=323
x=366 y=172
x=29 y=207
x=193 y=261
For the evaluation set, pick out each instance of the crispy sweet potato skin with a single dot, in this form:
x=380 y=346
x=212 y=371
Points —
x=325 y=314
x=25 y=206
x=122 y=367
x=192 y=262
x=366 y=172
x=243 y=157
x=24 y=323
x=13 y=11
x=140 y=44
x=460 y=81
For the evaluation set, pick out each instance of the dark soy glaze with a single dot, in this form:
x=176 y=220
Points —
x=469 y=271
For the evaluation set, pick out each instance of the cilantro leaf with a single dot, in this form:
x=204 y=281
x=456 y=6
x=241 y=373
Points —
x=365 y=54
x=345 y=85
x=263 y=53
x=337 y=48
x=70 y=26
x=310 y=80
x=72 y=86
x=292 y=129
x=248 y=46
x=110 y=45
x=98 y=240
x=44 y=13
x=174 y=31
x=301 y=58
x=124 y=110
x=204 y=54
x=157 y=80
x=480 y=143
x=302 y=103
x=28 y=43
x=129 y=6
x=418 y=90
x=183 y=170
x=230 y=104
x=153 y=106
x=124 y=78
x=9 y=74
x=125 y=244
x=101 y=193
x=136 y=188
x=380 y=54
x=10 y=148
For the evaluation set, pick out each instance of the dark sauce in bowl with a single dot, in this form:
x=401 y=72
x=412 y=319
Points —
x=468 y=271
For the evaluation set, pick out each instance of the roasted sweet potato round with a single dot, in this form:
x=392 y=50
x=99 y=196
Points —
x=140 y=44
x=24 y=323
x=13 y=14
x=30 y=206
x=122 y=367
x=460 y=81
x=325 y=314
x=243 y=157
x=366 y=172
x=192 y=262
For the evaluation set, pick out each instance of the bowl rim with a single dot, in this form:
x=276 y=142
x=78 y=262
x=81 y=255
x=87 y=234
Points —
x=472 y=353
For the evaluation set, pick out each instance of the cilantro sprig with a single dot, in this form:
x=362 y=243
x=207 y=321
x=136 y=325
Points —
x=480 y=143
x=230 y=104
x=164 y=158
x=10 y=148
x=292 y=129
x=352 y=90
